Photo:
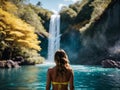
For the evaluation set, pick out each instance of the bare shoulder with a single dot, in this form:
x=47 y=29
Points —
x=50 y=69
x=70 y=70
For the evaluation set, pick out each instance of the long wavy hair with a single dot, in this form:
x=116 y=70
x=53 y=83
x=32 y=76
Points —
x=62 y=62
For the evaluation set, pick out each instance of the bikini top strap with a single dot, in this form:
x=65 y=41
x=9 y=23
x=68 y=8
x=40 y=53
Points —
x=62 y=83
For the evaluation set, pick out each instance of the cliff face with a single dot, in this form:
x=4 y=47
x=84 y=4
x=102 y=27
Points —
x=70 y=42
x=102 y=35
x=99 y=34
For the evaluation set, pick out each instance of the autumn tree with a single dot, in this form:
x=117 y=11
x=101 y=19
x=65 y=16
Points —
x=16 y=33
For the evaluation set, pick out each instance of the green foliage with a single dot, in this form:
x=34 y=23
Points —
x=31 y=56
x=68 y=14
x=76 y=15
x=99 y=6
x=41 y=12
x=35 y=16
x=44 y=15
x=33 y=19
x=83 y=14
x=78 y=5
x=17 y=1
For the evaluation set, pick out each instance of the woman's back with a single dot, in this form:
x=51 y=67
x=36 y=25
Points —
x=63 y=80
x=61 y=75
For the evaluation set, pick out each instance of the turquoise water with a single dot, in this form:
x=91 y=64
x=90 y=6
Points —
x=34 y=78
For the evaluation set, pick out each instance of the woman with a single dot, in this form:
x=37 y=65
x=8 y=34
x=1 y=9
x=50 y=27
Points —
x=61 y=75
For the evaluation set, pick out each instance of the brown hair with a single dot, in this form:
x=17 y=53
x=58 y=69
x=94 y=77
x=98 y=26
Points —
x=62 y=62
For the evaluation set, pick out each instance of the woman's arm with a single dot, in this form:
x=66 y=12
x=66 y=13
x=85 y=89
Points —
x=72 y=81
x=48 y=83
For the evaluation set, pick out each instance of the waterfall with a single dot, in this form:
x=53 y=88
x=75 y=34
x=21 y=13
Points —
x=54 y=36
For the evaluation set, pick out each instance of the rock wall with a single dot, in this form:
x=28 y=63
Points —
x=101 y=36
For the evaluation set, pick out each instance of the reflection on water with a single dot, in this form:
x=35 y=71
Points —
x=19 y=78
x=34 y=78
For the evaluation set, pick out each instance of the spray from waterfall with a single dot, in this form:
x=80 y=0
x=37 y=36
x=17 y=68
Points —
x=54 y=36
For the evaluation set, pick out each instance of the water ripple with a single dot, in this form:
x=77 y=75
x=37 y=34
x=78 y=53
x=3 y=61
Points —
x=34 y=78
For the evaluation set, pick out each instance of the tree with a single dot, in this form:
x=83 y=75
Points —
x=33 y=19
x=17 y=33
x=39 y=4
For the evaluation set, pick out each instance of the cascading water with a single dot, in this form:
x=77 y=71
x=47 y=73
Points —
x=54 y=36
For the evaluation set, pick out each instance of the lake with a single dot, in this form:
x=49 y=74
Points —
x=85 y=78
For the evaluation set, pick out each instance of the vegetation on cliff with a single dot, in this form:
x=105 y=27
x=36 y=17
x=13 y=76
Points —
x=83 y=13
x=20 y=26
x=98 y=24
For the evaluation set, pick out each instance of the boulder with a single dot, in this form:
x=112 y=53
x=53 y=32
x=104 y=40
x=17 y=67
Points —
x=9 y=64
x=19 y=60
x=110 y=64
x=2 y=64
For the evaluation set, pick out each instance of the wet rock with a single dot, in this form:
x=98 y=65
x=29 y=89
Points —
x=27 y=63
x=110 y=64
x=2 y=64
x=8 y=64
x=19 y=59
x=11 y=63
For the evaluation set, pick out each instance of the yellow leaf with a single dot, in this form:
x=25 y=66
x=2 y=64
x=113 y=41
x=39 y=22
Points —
x=9 y=39
x=16 y=33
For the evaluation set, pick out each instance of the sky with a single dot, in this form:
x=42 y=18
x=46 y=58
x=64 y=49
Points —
x=54 y=5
